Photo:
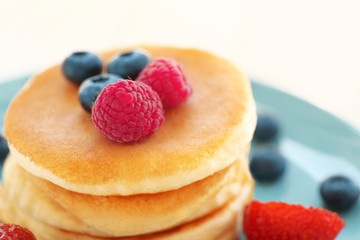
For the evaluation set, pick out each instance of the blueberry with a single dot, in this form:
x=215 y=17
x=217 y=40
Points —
x=339 y=193
x=267 y=164
x=267 y=127
x=4 y=149
x=91 y=88
x=81 y=65
x=128 y=64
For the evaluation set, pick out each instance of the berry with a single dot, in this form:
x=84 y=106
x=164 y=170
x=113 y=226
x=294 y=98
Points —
x=267 y=164
x=167 y=78
x=15 y=232
x=267 y=127
x=281 y=221
x=339 y=193
x=81 y=65
x=129 y=64
x=128 y=111
x=4 y=149
x=91 y=88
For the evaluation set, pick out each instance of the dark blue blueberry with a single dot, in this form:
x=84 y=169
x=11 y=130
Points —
x=339 y=193
x=267 y=127
x=4 y=149
x=129 y=64
x=81 y=65
x=267 y=164
x=91 y=88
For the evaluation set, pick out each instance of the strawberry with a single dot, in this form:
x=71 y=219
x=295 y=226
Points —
x=282 y=221
x=15 y=232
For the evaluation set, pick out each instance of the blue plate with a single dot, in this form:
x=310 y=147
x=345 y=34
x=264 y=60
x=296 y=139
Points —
x=316 y=143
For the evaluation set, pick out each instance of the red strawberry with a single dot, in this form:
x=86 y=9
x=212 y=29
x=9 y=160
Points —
x=15 y=232
x=282 y=221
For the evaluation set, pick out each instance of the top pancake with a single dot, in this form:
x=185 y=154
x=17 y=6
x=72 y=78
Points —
x=52 y=137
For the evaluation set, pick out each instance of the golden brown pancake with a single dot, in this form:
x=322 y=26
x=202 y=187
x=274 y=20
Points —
x=33 y=201
x=221 y=224
x=121 y=215
x=52 y=137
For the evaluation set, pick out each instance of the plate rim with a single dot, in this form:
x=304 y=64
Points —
x=354 y=127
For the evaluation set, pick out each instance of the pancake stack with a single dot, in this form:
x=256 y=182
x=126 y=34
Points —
x=190 y=180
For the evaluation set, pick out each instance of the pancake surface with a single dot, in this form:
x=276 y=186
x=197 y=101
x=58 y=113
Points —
x=121 y=215
x=52 y=137
x=221 y=224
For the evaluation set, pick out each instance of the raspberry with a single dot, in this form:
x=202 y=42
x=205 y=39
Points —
x=167 y=78
x=281 y=221
x=128 y=111
x=15 y=232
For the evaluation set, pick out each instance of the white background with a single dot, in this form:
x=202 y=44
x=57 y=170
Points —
x=309 y=48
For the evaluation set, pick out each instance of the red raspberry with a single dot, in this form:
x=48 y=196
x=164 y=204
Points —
x=281 y=221
x=127 y=111
x=167 y=78
x=15 y=232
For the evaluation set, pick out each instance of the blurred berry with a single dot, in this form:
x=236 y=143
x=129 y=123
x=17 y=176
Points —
x=267 y=164
x=4 y=149
x=339 y=193
x=267 y=127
